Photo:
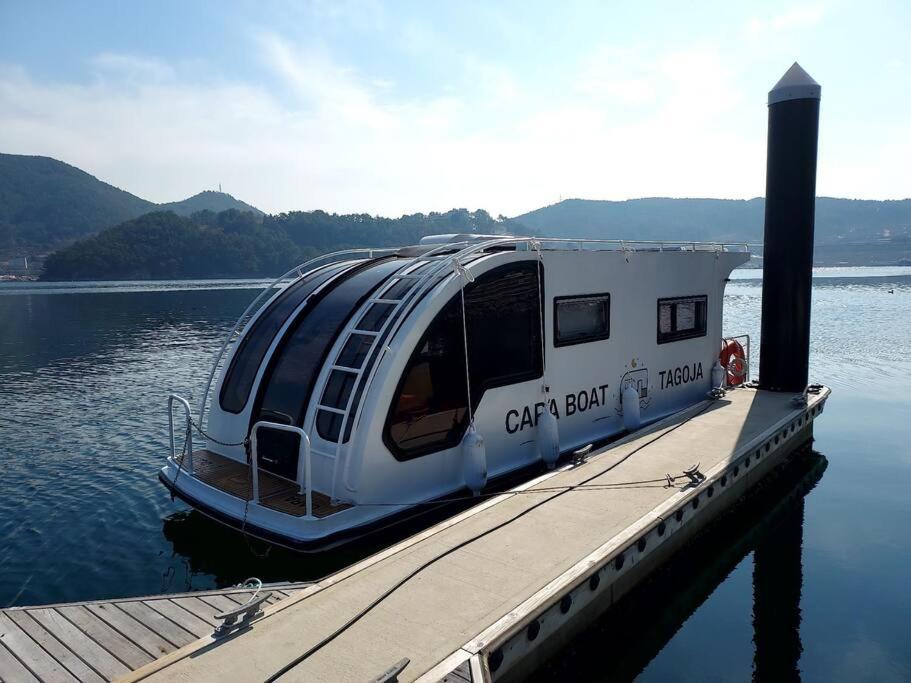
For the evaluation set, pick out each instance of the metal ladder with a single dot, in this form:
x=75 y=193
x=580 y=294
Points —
x=393 y=320
x=261 y=301
x=354 y=376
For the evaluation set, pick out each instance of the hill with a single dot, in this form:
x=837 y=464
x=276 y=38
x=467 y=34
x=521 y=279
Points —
x=208 y=200
x=837 y=220
x=163 y=245
x=46 y=203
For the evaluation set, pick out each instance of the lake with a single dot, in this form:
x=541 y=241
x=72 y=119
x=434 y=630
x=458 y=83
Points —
x=85 y=370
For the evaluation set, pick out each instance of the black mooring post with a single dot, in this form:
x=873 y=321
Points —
x=788 y=244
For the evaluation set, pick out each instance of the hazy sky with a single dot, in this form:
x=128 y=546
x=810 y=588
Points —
x=416 y=106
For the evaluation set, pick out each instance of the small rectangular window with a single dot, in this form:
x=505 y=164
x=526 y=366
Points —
x=375 y=316
x=681 y=318
x=581 y=319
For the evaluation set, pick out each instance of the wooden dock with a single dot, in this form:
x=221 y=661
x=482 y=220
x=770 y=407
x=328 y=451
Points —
x=104 y=640
x=491 y=592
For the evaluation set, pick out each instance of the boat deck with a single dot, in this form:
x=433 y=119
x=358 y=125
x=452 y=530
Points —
x=233 y=477
x=492 y=583
x=105 y=639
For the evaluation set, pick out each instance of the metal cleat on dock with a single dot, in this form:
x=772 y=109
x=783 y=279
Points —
x=247 y=612
x=695 y=476
x=391 y=675
x=580 y=455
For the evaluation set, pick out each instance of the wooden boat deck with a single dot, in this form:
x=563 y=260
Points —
x=104 y=640
x=278 y=494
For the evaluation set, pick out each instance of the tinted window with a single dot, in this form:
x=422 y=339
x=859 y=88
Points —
x=430 y=406
x=429 y=411
x=252 y=349
x=288 y=381
x=504 y=326
x=355 y=351
x=681 y=318
x=580 y=319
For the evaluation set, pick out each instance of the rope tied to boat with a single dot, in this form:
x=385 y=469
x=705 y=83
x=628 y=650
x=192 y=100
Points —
x=536 y=246
x=471 y=539
x=466 y=278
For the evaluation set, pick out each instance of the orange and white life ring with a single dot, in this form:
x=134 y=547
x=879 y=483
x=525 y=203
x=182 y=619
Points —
x=733 y=360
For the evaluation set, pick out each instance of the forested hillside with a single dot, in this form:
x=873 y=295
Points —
x=163 y=245
x=45 y=203
x=837 y=220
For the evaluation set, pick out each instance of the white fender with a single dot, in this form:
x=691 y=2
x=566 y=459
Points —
x=548 y=438
x=631 y=418
x=474 y=460
x=717 y=375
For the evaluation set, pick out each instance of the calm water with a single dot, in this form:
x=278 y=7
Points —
x=85 y=371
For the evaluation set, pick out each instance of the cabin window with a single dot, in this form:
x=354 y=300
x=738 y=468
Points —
x=292 y=370
x=429 y=410
x=681 y=318
x=239 y=378
x=430 y=406
x=581 y=319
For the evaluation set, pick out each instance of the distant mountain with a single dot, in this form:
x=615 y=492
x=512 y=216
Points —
x=837 y=220
x=45 y=203
x=208 y=200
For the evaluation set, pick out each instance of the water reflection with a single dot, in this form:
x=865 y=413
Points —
x=769 y=524
x=777 y=582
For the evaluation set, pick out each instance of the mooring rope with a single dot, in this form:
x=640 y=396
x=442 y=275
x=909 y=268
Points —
x=465 y=278
x=401 y=582
x=545 y=387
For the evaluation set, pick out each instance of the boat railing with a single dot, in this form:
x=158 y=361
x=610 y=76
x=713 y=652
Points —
x=303 y=461
x=454 y=254
x=187 y=450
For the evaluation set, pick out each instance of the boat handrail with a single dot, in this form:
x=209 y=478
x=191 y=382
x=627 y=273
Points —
x=304 y=481
x=188 y=454
x=457 y=251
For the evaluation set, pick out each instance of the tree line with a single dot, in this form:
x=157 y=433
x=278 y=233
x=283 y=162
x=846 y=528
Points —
x=163 y=245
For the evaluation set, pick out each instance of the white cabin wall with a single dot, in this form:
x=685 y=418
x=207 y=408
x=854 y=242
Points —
x=635 y=281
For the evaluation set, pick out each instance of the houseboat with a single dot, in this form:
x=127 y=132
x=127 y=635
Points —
x=368 y=383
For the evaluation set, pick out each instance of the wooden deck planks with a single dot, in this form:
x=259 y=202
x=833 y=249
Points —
x=201 y=609
x=111 y=640
x=461 y=674
x=39 y=662
x=219 y=602
x=144 y=637
x=279 y=494
x=69 y=659
x=156 y=621
x=238 y=598
x=103 y=640
x=88 y=650
x=186 y=620
x=12 y=669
